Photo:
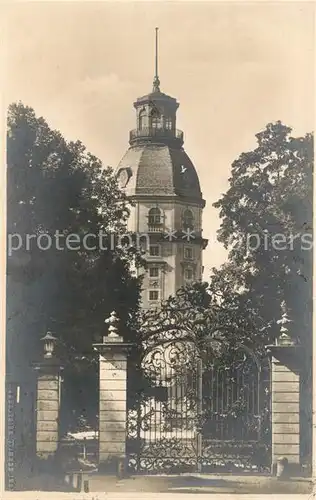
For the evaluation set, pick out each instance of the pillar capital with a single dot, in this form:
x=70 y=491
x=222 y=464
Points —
x=110 y=345
x=51 y=365
x=290 y=355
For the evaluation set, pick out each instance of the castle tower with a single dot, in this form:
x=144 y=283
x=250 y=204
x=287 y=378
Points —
x=157 y=174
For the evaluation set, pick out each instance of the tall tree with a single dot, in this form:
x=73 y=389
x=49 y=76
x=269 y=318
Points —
x=57 y=186
x=267 y=227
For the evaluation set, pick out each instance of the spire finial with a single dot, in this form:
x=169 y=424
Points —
x=156 y=83
x=285 y=322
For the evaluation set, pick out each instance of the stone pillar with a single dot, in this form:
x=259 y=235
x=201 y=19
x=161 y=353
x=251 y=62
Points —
x=10 y=434
x=286 y=407
x=112 y=398
x=47 y=404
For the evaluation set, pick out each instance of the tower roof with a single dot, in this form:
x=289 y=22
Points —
x=156 y=98
x=159 y=170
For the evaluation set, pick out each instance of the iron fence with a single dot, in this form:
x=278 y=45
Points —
x=198 y=415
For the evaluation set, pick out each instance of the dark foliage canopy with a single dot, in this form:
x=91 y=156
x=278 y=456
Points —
x=267 y=227
x=55 y=185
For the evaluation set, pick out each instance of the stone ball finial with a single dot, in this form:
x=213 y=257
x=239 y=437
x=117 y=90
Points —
x=113 y=321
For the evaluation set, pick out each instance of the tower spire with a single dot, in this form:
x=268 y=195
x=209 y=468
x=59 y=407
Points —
x=156 y=83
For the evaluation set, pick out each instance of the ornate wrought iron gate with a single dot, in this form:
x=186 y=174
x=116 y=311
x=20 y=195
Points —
x=201 y=412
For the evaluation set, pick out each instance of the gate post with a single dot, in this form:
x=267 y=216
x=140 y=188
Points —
x=48 y=402
x=112 y=398
x=10 y=434
x=286 y=405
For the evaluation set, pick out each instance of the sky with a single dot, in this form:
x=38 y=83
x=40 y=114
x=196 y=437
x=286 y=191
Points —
x=234 y=67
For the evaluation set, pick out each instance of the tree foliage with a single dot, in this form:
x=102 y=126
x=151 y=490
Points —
x=56 y=185
x=267 y=227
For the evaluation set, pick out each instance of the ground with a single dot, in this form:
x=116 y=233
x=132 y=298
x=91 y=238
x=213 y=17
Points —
x=100 y=485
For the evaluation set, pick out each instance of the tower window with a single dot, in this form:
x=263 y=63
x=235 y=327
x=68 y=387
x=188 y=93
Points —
x=154 y=272
x=153 y=294
x=155 y=119
x=188 y=253
x=188 y=219
x=189 y=274
x=168 y=123
x=154 y=250
x=154 y=216
x=142 y=119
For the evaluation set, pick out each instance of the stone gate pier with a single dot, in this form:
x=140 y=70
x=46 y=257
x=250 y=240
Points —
x=286 y=405
x=48 y=404
x=112 y=398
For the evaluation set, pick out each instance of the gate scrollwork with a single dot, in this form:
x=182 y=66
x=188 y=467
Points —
x=206 y=403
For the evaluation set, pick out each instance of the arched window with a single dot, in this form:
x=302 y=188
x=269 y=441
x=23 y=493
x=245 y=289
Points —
x=155 y=118
x=154 y=216
x=142 y=119
x=188 y=219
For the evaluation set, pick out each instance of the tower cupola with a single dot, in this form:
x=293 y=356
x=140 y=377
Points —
x=156 y=116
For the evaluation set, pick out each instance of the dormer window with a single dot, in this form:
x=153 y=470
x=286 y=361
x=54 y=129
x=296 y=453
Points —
x=154 y=216
x=188 y=219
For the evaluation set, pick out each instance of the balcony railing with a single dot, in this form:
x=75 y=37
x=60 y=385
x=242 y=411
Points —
x=157 y=133
x=155 y=228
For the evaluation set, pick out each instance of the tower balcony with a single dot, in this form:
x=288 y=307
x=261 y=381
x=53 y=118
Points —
x=163 y=135
x=155 y=228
